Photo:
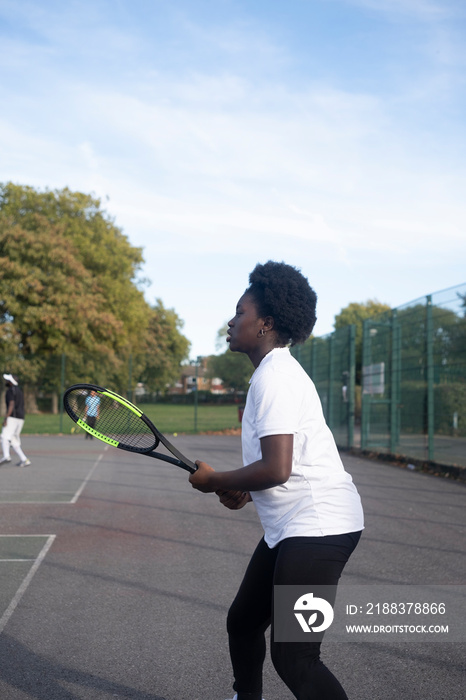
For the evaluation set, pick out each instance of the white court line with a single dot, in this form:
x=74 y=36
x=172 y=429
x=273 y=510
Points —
x=86 y=480
x=35 y=503
x=37 y=562
x=22 y=589
x=54 y=503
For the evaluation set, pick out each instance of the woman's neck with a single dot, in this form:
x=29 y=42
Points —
x=257 y=355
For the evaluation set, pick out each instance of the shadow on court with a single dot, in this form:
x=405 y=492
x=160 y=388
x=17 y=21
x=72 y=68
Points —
x=46 y=679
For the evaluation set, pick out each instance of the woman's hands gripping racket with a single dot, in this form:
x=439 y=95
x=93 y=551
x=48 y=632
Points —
x=114 y=420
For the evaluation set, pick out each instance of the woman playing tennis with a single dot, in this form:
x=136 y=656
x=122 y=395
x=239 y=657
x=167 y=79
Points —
x=308 y=505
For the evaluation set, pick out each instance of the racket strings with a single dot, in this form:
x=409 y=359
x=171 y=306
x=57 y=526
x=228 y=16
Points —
x=113 y=419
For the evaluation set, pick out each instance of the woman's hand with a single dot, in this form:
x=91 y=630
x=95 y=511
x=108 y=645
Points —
x=202 y=478
x=234 y=500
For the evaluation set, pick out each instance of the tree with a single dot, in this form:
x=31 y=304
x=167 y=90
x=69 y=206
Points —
x=165 y=348
x=448 y=336
x=75 y=223
x=233 y=368
x=68 y=284
x=50 y=299
x=356 y=313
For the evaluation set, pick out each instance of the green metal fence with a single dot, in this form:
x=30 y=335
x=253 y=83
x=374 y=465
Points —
x=414 y=379
x=405 y=395
x=411 y=400
x=331 y=362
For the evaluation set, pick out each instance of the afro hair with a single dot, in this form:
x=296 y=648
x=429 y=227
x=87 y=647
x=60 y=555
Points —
x=282 y=292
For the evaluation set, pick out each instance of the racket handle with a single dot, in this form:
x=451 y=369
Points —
x=189 y=467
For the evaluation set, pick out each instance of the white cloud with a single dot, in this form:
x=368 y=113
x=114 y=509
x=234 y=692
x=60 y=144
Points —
x=265 y=169
x=315 y=165
x=211 y=169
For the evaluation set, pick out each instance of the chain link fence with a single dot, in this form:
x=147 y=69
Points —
x=410 y=400
x=331 y=363
x=414 y=379
x=404 y=394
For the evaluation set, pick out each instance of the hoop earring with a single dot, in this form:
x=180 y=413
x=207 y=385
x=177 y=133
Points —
x=262 y=333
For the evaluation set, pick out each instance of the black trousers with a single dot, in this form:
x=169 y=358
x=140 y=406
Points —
x=91 y=421
x=294 y=561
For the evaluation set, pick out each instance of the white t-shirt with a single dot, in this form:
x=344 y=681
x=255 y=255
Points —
x=319 y=498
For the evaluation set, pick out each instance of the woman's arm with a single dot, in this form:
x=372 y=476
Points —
x=272 y=469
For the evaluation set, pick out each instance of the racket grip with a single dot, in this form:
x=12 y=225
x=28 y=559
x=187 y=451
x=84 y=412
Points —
x=187 y=467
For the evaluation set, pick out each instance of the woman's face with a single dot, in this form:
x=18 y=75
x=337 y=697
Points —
x=244 y=327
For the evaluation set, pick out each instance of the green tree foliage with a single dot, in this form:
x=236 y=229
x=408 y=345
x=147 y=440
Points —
x=165 y=348
x=68 y=284
x=53 y=301
x=356 y=313
x=233 y=368
x=463 y=302
x=448 y=341
x=422 y=337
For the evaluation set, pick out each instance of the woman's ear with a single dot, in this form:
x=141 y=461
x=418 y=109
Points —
x=268 y=323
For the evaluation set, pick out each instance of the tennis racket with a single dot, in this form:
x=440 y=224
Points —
x=116 y=421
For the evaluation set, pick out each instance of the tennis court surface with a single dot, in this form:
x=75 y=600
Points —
x=116 y=576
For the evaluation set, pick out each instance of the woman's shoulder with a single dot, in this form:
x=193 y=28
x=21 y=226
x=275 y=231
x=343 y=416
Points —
x=280 y=367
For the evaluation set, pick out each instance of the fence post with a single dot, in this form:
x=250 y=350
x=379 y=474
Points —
x=330 y=382
x=351 y=384
x=313 y=361
x=365 y=405
x=195 y=393
x=395 y=383
x=298 y=354
x=430 y=378
x=62 y=389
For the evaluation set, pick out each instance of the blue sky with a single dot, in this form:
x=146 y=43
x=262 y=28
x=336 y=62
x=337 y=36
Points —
x=330 y=134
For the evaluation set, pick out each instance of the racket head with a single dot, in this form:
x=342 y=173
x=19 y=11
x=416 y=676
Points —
x=119 y=422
